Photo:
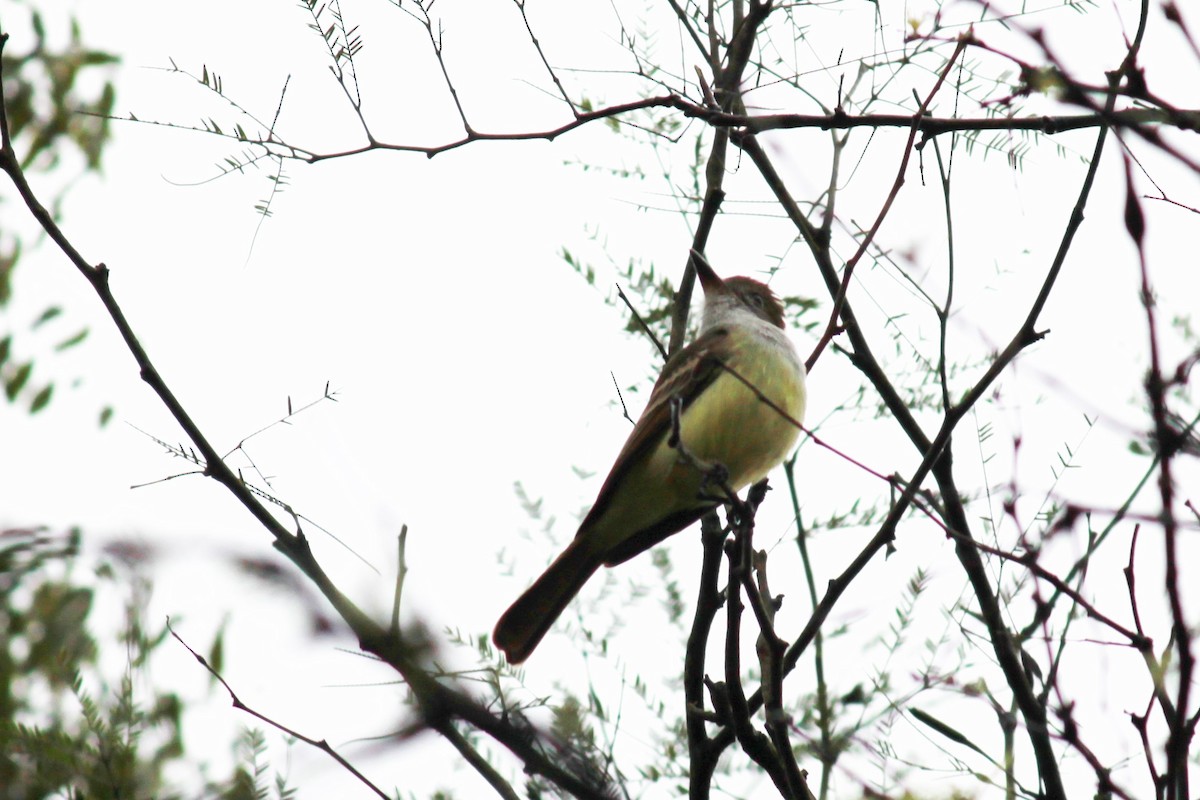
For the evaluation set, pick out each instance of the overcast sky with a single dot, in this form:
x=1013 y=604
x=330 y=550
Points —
x=466 y=355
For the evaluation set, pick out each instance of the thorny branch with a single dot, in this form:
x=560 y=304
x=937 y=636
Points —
x=1132 y=119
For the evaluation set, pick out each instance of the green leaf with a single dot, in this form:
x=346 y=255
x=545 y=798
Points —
x=5 y=346
x=17 y=380
x=66 y=344
x=944 y=729
x=94 y=58
x=106 y=414
x=47 y=315
x=41 y=399
x=216 y=653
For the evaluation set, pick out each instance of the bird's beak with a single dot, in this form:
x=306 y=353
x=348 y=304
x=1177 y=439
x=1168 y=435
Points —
x=709 y=280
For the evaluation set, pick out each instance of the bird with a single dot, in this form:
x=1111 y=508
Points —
x=654 y=489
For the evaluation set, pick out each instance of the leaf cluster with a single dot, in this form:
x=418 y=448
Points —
x=58 y=737
x=49 y=116
x=67 y=728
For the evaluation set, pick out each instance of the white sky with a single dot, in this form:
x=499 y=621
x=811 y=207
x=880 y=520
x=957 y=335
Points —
x=466 y=355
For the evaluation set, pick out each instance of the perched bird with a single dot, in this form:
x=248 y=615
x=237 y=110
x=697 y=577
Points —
x=652 y=491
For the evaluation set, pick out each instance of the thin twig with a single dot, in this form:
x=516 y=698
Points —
x=320 y=744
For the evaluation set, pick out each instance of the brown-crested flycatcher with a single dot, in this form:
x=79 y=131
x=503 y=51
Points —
x=652 y=491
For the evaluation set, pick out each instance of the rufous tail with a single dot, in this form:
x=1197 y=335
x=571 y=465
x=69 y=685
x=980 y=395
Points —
x=528 y=619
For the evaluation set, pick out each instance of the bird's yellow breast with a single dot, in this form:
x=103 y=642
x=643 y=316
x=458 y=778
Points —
x=729 y=423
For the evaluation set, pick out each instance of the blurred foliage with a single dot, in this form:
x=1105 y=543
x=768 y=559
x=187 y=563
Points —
x=51 y=119
x=68 y=729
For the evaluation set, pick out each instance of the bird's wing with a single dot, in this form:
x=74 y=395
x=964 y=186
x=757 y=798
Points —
x=685 y=375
